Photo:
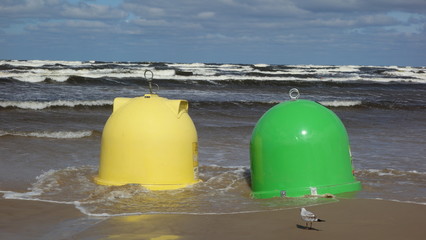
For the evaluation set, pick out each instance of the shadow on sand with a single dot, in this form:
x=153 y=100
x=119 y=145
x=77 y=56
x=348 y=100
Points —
x=306 y=228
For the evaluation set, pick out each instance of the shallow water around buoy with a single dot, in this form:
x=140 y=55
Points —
x=223 y=190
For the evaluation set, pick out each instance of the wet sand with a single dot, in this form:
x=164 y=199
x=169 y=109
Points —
x=347 y=219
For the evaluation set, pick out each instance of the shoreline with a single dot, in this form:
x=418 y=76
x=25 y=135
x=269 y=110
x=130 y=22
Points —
x=346 y=218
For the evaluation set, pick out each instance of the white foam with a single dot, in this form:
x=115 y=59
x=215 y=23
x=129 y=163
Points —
x=412 y=74
x=20 y=195
x=36 y=105
x=261 y=65
x=400 y=201
x=49 y=134
x=39 y=63
x=234 y=66
x=390 y=172
x=336 y=103
x=32 y=196
x=187 y=65
x=83 y=210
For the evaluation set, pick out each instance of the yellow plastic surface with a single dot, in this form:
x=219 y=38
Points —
x=150 y=141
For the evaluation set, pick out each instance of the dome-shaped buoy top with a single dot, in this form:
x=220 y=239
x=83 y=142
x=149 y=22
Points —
x=150 y=141
x=300 y=147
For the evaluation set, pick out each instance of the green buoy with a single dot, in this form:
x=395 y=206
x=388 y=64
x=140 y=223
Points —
x=298 y=148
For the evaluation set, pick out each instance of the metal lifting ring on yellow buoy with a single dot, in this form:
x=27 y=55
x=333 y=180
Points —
x=149 y=79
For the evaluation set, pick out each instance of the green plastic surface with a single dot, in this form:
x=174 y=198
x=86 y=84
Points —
x=300 y=148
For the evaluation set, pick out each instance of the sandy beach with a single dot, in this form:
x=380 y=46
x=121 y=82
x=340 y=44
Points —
x=346 y=219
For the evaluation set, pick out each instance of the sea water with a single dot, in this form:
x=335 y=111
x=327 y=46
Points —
x=52 y=114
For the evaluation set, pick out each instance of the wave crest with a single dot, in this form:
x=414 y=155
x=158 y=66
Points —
x=39 y=105
x=389 y=172
x=60 y=71
x=50 y=134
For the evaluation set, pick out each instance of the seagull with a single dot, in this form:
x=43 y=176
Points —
x=309 y=217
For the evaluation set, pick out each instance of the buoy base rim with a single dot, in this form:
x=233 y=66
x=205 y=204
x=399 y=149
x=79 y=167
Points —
x=153 y=187
x=299 y=192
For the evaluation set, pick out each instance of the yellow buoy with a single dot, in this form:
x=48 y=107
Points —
x=151 y=141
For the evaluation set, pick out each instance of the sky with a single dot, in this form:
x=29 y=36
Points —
x=320 y=32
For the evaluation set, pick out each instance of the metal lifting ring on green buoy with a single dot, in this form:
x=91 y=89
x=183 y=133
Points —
x=294 y=94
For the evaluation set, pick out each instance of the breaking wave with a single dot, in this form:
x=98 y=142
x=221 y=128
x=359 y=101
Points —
x=390 y=172
x=38 y=105
x=41 y=105
x=49 y=134
x=61 y=71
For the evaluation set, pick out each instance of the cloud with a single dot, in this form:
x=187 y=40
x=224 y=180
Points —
x=92 y=11
x=143 y=10
x=70 y=27
x=254 y=24
x=376 y=20
x=57 y=9
x=263 y=8
x=145 y=22
x=223 y=38
x=355 y=22
x=316 y=6
x=27 y=8
x=206 y=15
